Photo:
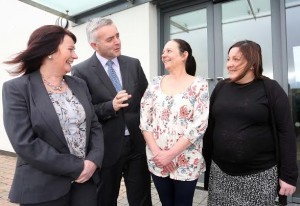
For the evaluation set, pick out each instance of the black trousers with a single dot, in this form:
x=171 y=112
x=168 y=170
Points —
x=175 y=192
x=133 y=168
x=81 y=194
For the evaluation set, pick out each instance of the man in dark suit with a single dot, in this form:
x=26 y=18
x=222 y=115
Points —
x=118 y=109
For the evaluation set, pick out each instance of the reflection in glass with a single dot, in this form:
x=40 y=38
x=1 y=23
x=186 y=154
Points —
x=293 y=56
x=240 y=21
x=73 y=8
x=291 y=3
x=293 y=45
x=192 y=27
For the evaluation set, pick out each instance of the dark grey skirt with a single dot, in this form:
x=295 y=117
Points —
x=248 y=190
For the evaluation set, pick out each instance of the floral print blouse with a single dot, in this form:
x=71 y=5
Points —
x=171 y=117
x=71 y=116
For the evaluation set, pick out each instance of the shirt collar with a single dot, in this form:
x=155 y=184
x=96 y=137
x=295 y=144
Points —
x=103 y=60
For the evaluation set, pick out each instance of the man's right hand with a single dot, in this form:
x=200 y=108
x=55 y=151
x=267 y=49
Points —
x=120 y=100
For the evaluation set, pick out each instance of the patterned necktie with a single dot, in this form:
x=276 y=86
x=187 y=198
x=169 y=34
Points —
x=113 y=76
x=116 y=82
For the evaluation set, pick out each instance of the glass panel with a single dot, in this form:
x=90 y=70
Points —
x=290 y=3
x=248 y=20
x=293 y=52
x=72 y=7
x=192 y=27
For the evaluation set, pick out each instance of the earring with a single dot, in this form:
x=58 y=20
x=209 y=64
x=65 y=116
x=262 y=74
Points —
x=50 y=57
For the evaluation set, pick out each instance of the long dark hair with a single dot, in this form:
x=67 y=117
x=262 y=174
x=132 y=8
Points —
x=252 y=53
x=190 y=64
x=43 y=42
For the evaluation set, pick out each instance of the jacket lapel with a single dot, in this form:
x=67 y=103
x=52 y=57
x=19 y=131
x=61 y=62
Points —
x=125 y=77
x=101 y=73
x=124 y=73
x=44 y=105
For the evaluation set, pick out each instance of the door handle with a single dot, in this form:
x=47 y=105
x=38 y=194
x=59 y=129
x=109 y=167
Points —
x=209 y=79
x=220 y=78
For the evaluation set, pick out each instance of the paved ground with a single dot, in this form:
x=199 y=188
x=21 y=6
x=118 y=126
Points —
x=7 y=167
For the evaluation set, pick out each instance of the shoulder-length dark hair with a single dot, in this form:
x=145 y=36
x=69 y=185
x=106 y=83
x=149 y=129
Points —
x=252 y=53
x=190 y=64
x=43 y=42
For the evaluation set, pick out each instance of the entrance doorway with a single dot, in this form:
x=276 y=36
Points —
x=211 y=29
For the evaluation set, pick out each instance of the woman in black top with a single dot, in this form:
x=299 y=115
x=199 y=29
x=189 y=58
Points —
x=249 y=146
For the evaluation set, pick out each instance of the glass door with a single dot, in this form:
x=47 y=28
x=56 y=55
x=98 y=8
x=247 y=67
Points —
x=293 y=56
x=249 y=20
x=191 y=25
x=212 y=28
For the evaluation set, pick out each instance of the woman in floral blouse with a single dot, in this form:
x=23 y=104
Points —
x=174 y=114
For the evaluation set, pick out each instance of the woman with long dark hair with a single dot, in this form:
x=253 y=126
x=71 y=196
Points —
x=51 y=124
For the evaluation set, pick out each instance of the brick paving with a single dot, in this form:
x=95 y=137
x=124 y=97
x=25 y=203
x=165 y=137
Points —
x=7 y=168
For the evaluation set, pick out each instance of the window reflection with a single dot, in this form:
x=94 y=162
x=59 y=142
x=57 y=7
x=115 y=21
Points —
x=293 y=42
x=293 y=56
x=243 y=20
x=291 y=3
x=192 y=27
x=293 y=51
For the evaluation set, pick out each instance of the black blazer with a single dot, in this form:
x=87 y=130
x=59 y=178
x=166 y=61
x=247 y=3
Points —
x=45 y=168
x=103 y=92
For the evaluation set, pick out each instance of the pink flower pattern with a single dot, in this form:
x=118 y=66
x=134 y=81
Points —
x=170 y=118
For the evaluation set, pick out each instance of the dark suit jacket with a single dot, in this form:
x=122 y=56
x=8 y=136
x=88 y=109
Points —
x=45 y=167
x=103 y=92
